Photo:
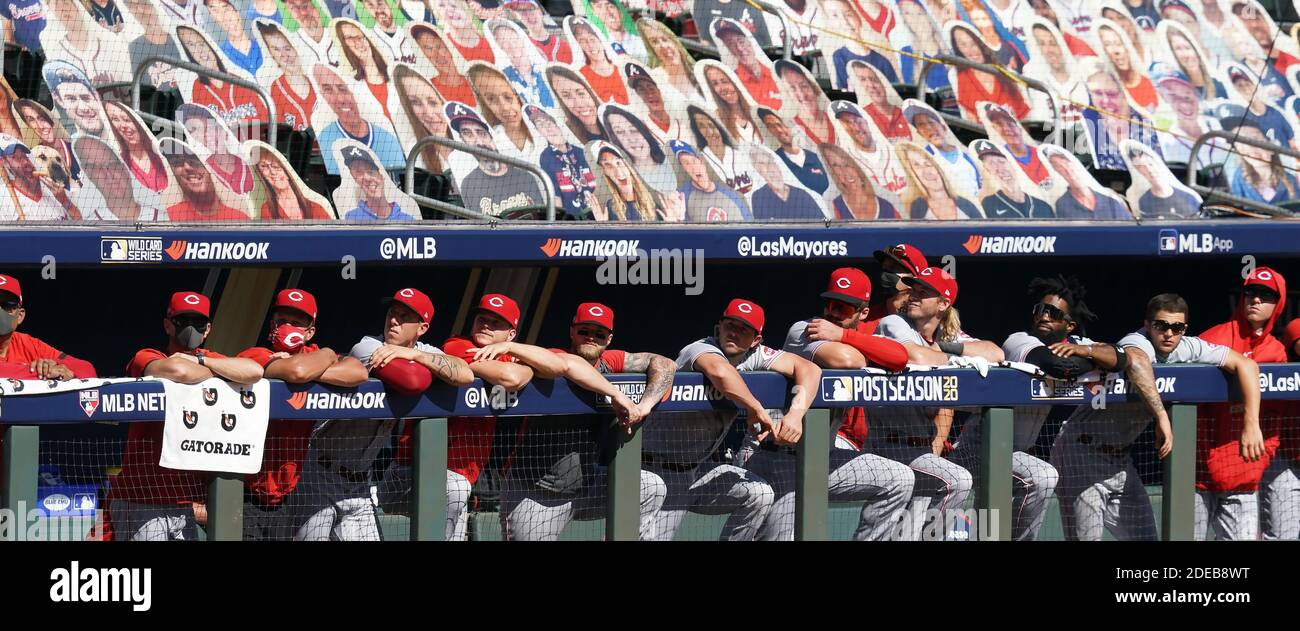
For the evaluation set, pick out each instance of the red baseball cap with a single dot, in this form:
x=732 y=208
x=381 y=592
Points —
x=1291 y=334
x=297 y=300
x=1265 y=277
x=416 y=301
x=940 y=281
x=849 y=284
x=501 y=305
x=746 y=311
x=189 y=302
x=906 y=255
x=595 y=313
x=11 y=285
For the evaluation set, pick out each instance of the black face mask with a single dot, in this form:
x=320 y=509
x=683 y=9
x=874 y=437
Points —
x=189 y=337
x=7 y=322
x=888 y=284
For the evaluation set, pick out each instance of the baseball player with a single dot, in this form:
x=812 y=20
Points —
x=496 y=358
x=1279 y=502
x=557 y=472
x=37 y=359
x=837 y=341
x=918 y=436
x=290 y=357
x=1232 y=454
x=1099 y=485
x=675 y=445
x=148 y=502
x=407 y=366
x=1055 y=344
x=896 y=263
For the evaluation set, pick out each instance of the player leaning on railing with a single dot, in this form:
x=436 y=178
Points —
x=559 y=470
x=148 y=502
x=839 y=339
x=293 y=359
x=1099 y=486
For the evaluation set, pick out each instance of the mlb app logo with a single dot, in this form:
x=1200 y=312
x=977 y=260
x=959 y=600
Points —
x=837 y=388
x=1168 y=241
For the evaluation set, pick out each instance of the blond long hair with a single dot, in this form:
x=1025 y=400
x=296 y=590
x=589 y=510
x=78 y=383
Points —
x=647 y=204
x=949 y=325
x=915 y=190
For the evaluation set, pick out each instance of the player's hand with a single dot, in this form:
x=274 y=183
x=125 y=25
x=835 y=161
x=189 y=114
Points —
x=789 y=429
x=938 y=445
x=492 y=351
x=200 y=513
x=760 y=424
x=820 y=330
x=1252 y=443
x=388 y=352
x=50 y=369
x=629 y=413
x=1164 y=437
x=1066 y=349
x=184 y=356
x=280 y=355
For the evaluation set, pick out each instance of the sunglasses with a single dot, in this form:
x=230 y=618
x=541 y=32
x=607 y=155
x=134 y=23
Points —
x=181 y=322
x=1055 y=313
x=1178 y=328
x=840 y=309
x=1263 y=293
x=599 y=335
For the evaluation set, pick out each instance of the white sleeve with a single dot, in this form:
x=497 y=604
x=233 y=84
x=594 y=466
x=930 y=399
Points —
x=691 y=352
x=896 y=328
x=1199 y=351
x=1137 y=340
x=797 y=342
x=364 y=349
x=1018 y=345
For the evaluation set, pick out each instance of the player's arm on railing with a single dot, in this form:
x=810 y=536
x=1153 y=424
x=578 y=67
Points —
x=983 y=348
x=578 y=371
x=659 y=373
x=544 y=363
x=511 y=376
x=347 y=372
x=849 y=348
x=1143 y=380
x=451 y=370
x=806 y=377
x=924 y=355
x=1247 y=372
x=303 y=367
x=727 y=380
x=179 y=367
x=235 y=369
x=942 y=429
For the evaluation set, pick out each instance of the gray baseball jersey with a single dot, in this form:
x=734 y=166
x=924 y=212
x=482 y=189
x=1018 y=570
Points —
x=690 y=437
x=1118 y=425
x=354 y=444
x=1029 y=418
x=798 y=343
x=916 y=421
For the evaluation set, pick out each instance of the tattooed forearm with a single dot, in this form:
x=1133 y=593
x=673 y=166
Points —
x=452 y=370
x=1143 y=379
x=658 y=377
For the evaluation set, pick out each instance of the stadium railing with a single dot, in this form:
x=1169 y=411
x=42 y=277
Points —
x=413 y=156
x=1234 y=138
x=1182 y=388
x=204 y=71
x=951 y=60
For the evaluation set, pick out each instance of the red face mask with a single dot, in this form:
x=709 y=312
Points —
x=287 y=338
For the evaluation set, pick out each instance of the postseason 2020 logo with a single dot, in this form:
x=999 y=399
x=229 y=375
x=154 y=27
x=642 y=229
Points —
x=890 y=388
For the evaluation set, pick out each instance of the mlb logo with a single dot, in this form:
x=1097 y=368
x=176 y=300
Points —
x=837 y=388
x=86 y=502
x=89 y=401
x=112 y=249
x=1168 y=241
x=1038 y=389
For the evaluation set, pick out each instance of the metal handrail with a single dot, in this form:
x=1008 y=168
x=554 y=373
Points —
x=450 y=209
x=537 y=172
x=787 y=38
x=1260 y=207
x=698 y=46
x=951 y=60
x=207 y=72
x=1205 y=138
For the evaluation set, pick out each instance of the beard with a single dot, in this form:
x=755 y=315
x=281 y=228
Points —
x=1049 y=337
x=589 y=352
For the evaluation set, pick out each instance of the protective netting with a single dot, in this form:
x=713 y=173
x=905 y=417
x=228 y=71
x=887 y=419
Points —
x=617 y=113
x=546 y=479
